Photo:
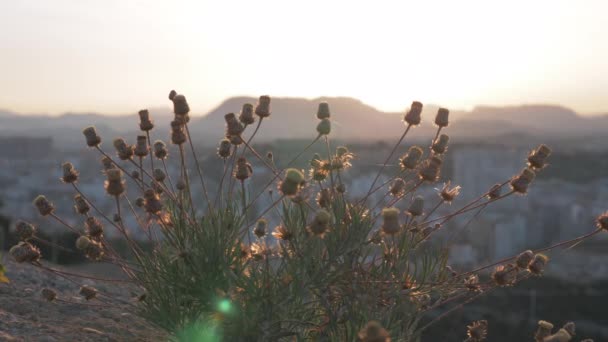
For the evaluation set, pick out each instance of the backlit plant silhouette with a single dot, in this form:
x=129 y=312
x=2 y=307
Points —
x=334 y=267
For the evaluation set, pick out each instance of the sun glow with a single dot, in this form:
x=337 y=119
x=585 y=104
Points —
x=115 y=56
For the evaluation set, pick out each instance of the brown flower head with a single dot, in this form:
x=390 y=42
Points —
x=324 y=127
x=440 y=145
x=24 y=230
x=320 y=223
x=448 y=194
x=472 y=282
x=152 y=203
x=225 y=149
x=602 y=221
x=114 y=184
x=293 y=182
x=48 y=294
x=70 y=174
x=159 y=175
x=416 y=208
x=282 y=233
x=504 y=275
x=413 y=116
x=260 y=228
x=91 y=136
x=538 y=263
x=160 y=149
x=233 y=126
x=431 y=169
x=374 y=332
x=178 y=136
x=410 y=160
x=246 y=117
x=81 y=206
x=477 y=331
x=544 y=330
x=397 y=187
x=442 y=118
x=145 y=123
x=521 y=182
x=24 y=252
x=124 y=151
x=107 y=163
x=495 y=191
x=93 y=227
x=141 y=148
x=43 y=205
x=180 y=105
x=243 y=169
x=262 y=109
x=88 y=292
x=323 y=111
x=524 y=258
x=537 y=159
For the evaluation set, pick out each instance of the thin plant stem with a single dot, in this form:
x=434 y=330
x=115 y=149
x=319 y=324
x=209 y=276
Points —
x=198 y=169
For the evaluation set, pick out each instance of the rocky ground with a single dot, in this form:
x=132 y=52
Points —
x=26 y=316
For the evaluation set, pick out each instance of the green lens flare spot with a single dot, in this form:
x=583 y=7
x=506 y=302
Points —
x=224 y=306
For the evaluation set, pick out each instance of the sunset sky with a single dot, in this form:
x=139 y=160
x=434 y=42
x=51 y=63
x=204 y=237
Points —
x=117 y=56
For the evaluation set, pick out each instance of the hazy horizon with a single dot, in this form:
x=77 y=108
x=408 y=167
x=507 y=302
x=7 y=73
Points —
x=115 y=57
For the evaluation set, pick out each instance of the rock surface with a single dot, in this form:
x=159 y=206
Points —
x=26 y=316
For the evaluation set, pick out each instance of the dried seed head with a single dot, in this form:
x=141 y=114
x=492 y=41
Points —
x=416 y=208
x=181 y=184
x=141 y=148
x=431 y=169
x=293 y=182
x=397 y=187
x=83 y=242
x=374 y=332
x=341 y=188
x=537 y=159
x=152 y=203
x=472 y=282
x=320 y=223
x=560 y=336
x=260 y=228
x=448 y=194
x=139 y=202
x=48 y=294
x=570 y=327
x=81 y=206
x=324 y=198
x=538 y=263
x=440 y=145
x=243 y=169
x=521 y=182
x=323 y=111
x=262 y=109
x=107 y=163
x=145 y=123
x=135 y=174
x=495 y=191
x=410 y=160
x=94 y=251
x=524 y=258
x=180 y=105
x=124 y=151
x=91 y=136
x=88 y=292
x=324 y=127
x=159 y=175
x=225 y=149
x=602 y=221
x=178 y=136
x=24 y=230
x=390 y=221
x=543 y=330
x=282 y=233
x=477 y=331
x=246 y=116
x=114 y=185
x=233 y=126
x=504 y=275
x=25 y=252
x=413 y=116
x=160 y=149
x=70 y=174
x=43 y=205
x=93 y=227
x=442 y=118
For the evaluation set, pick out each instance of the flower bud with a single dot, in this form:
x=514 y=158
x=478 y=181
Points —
x=243 y=169
x=416 y=207
x=260 y=228
x=141 y=148
x=410 y=160
x=397 y=187
x=538 y=263
x=91 y=136
x=178 y=136
x=43 y=205
x=520 y=183
x=602 y=221
x=135 y=174
x=495 y=191
x=180 y=105
x=124 y=151
x=152 y=203
x=93 y=227
x=81 y=206
x=390 y=221
x=246 y=116
x=88 y=292
x=107 y=163
x=24 y=230
x=180 y=185
x=323 y=111
x=324 y=127
x=160 y=149
x=70 y=174
x=48 y=294
x=114 y=184
x=440 y=145
x=225 y=149
x=373 y=332
x=538 y=157
x=431 y=169
x=24 y=252
x=341 y=188
x=320 y=224
x=504 y=275
x=293 y=182
x=233 y=126
x=442 y=118
x=262 y=109
x=159 y=175
x=413 y=116
x=145 y=123
x=524 y=258
x=543 y=330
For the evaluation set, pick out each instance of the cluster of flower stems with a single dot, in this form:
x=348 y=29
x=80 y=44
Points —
x=163 y=205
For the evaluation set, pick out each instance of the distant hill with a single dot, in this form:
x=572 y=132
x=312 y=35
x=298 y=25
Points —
x=295 y=118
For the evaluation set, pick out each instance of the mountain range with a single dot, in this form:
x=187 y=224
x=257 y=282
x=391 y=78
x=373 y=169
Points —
x=294 y=118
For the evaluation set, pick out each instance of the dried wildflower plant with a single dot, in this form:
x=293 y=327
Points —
x=332 y=268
